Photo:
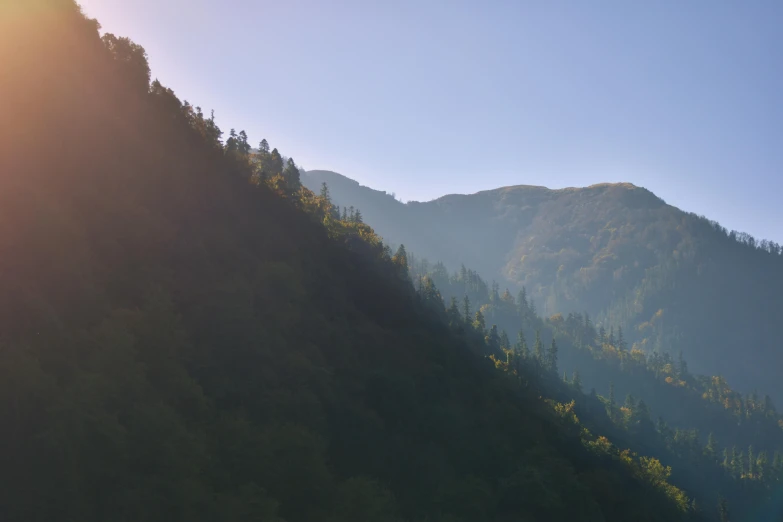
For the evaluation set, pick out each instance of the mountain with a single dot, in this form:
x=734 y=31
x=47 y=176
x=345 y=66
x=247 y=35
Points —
x=186 y=335
x=673 y=280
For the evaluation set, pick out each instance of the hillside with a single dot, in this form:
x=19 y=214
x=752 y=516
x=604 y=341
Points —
x=674 y=281
x=188 y=334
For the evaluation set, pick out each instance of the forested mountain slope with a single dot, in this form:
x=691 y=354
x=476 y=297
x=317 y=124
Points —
x=717 y=441
x=187 y=334
x=673 y=280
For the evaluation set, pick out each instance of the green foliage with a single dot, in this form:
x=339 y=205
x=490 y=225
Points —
x=188 y=334
x=665 y=279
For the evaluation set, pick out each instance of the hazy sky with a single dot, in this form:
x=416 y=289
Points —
x=429 y=98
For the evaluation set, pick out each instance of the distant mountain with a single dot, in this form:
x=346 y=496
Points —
x=673 y=280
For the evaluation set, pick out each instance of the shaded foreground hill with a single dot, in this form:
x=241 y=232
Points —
x=185 y=336
x=673 y=280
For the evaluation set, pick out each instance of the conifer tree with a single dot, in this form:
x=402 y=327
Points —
x=612 y=403
x=505 y=344
x=551 y=357
x=576 y=381
x=538 y=348
x=466 y=308
x=325 y=192
x=524 y=351
x=723 y=509
x=263 y=147
x=478 y=323
x=711 y=450
x=621 y=345
x=493 y=339
x=762 y=466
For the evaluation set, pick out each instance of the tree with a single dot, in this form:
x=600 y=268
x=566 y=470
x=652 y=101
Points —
x=612 y=402
x=291 y=175
x=274 y=163
x=466 y=308
x=478 y=323
x=641 y=416
x=524 y=352
x=551 y=359
x=263 y=147
x=522 y=302
x=538 y=349
x=682 y=368
x=453 y=312
x=232 y=143
x=762 y=466
x=130 y=61
x=493 y=339
x=401 y=259
x=751 y=462
x=576 y=381
x=242 y=143
x=711 y=450
x=723 y=509
x=621 y=344
x=325 y=192
x=505 y=344
x=357 y=216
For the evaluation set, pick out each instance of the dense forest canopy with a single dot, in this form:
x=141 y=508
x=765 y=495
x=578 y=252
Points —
x=673 y=281
x=188 y=333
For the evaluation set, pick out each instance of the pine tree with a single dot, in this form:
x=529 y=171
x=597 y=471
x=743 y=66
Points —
x=777 y=463
x=232 y=143
x=551 y=357
x=682 y=370
x=538 y=348
x=505 y=344
x=453 y=312
x=263 y=147
x=611 y=336
x=357 y=217
x=612 y=404
x=711 y=450
x=522 y=302
x=345 y=214
x=723 y=509
x=641 y=416
x=524 y=352
x=602 y=335
x=762 y=466
x=325 y=192
x=466 y=308
x=737 y=463
x=751 y=462
x=244 y=146
x=493 y=339
x=621 y=345
x=478 y=323
x=576 y=381
x=400 y=258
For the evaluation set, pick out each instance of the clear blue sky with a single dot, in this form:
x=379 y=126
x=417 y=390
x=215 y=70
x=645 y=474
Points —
x=429 y=98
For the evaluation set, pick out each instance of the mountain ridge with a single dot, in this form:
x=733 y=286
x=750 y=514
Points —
x=615 y=250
